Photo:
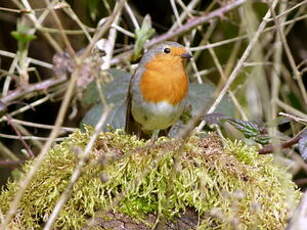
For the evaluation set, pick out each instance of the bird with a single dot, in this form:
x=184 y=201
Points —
x=157 y=91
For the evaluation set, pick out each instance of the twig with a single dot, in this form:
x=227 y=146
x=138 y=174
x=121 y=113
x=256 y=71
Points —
x=186 y=9
x=187 y=42
x=290 y=109
x=25 y=132
x=101 y=31
x=5 y=152
x=205 y=39
x=184 y=14
x=131 y=14
x=109 y=45
x=74 y=17
x=293 y=117
x=8 y=79
x=29 y=151
x=20 y=92
x=224 y=79
x=29 y=106
x=286 y=12
x=287 y=144
x=124 y=31
x=7 y=163
x=37 y=22
x=22 y=138
x=11 y=10
x=276 y=73
x=32 y=60
x=37 y=125
x=61 y=28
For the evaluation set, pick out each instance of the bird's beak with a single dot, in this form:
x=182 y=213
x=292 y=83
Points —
x=186 y=55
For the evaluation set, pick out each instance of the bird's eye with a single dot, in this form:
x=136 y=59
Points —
x=167 y=50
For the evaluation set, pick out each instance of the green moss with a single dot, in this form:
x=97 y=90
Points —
x=225 y=185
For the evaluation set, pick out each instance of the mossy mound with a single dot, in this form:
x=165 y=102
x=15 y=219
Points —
x=224 y=186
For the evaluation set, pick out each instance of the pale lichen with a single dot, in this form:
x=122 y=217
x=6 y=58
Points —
x=225 y=184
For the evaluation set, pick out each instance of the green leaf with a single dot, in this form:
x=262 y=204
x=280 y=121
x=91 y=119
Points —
x=251 y=130
x=23 y=35
x=115 y=93
x=115 y=120
x=93 y=8
x=142 y=35
x=202 y=94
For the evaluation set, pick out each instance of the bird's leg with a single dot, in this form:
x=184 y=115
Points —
x=155 y=135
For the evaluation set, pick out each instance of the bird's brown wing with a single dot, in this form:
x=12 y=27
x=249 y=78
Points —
x=131 y=126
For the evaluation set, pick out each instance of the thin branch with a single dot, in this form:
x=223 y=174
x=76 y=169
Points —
x=61 y=28
x=287 y=144
x=231 y=40
x=7 y=153
x=276 y=73
x=21 y=92
x=37 y=125
x=29 y=106
x=132 y=16
x=224 y=79
x=286 y=12
x=32 y=60
x=293 y=117
x=29 y=151
x=184 y=14
x=8 y=163
x=291 y=109
x=109 y=45
x=22 y=138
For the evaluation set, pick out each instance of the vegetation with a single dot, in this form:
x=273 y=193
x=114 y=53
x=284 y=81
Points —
x=224 y=186
x=67 y=64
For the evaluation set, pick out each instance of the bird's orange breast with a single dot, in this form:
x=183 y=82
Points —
x=164 y=79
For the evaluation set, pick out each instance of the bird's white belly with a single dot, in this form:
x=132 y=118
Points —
x=153 y=116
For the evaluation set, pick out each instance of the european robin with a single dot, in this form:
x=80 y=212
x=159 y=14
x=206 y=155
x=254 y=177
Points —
x=157 y=90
